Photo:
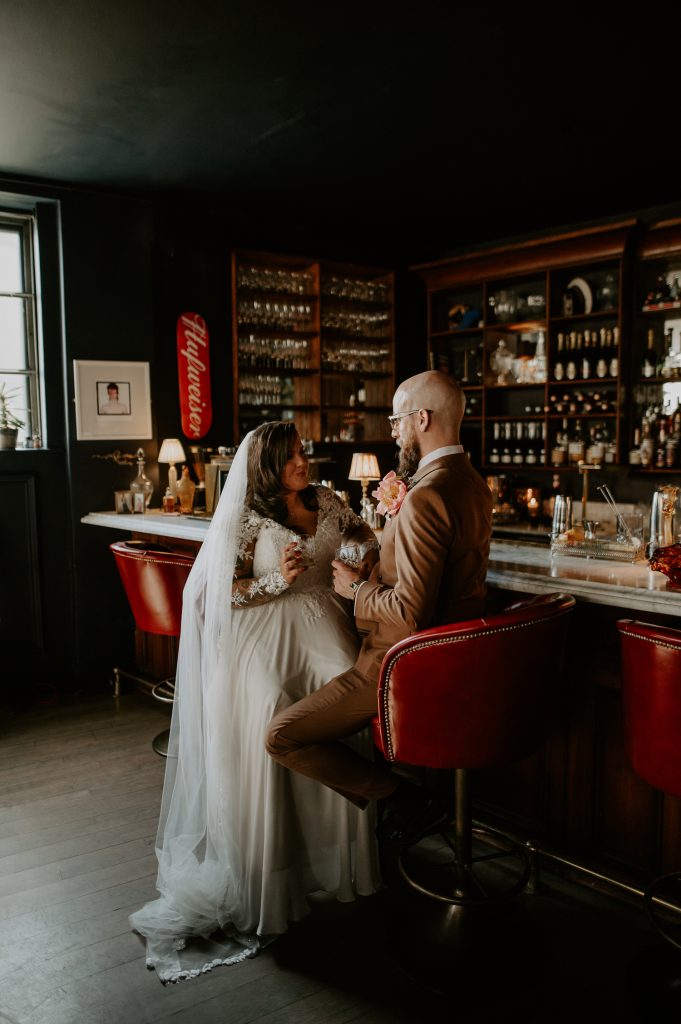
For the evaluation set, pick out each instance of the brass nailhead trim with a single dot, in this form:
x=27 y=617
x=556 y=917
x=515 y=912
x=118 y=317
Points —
x=151 y=561
x=656 y=643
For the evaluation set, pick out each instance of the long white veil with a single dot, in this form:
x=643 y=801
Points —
x=198 y=858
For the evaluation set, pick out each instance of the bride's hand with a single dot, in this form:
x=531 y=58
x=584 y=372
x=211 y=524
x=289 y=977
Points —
x=289 y=565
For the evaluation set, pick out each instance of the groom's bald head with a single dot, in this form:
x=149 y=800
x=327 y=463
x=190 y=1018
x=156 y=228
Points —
x=442 y=400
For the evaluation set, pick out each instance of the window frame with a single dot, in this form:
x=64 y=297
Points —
x=25 y=221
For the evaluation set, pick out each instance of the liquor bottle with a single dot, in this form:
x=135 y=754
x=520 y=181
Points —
x=661 y=290
x=559 y=449
x=576 y=445
x=635 y=452
x=660 y=445
x=649 y=367
x=647 y=448
x=141 y=485
x=168 y=501
x=676 y=421
x=361 y=394
x=185 y=491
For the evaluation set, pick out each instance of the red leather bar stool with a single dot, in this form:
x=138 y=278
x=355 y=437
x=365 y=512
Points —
x=153 y=578
x=651 y=701
x=465 y=696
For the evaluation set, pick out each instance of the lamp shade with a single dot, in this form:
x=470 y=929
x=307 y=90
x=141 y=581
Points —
x=364 y=467
x=171 y=451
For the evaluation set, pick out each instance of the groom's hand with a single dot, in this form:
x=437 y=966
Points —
x=343 y=576
x=368 y=562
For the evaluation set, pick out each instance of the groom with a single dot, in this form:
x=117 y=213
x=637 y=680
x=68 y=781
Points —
x=431 y=572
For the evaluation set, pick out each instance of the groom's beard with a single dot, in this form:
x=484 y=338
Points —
x=409 y=459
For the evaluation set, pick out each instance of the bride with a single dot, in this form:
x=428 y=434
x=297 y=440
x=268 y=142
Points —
x=241 y=840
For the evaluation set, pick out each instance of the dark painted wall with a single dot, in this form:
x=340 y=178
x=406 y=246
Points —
x=96 y=254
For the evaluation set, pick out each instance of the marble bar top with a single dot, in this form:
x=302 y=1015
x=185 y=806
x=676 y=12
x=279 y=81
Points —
x=153 y=522
x=514 y=565
x=531 y=568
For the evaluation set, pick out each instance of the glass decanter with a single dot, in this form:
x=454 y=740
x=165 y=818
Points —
x=141 y=484
x=501 y=362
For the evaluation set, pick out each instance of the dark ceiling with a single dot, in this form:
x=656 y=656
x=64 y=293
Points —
x=425 y=129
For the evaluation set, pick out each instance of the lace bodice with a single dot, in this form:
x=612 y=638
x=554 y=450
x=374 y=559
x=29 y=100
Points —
x=262 y=540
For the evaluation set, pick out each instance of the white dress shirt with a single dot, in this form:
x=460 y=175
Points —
x=447 y=449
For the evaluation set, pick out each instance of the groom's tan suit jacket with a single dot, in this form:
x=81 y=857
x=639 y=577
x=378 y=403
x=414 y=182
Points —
x=433 y=562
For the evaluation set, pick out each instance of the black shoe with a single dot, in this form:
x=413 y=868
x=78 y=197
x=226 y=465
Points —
x=402 y=827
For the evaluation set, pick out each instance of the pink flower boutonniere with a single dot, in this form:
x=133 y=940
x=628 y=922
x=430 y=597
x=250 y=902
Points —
x=391 y=492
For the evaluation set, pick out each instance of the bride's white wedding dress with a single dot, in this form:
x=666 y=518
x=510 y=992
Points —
x=272 y=836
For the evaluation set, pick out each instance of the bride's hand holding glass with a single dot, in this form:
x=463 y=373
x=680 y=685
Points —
x=290 y=564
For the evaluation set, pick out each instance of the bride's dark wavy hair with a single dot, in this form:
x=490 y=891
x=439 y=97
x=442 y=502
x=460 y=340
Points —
x=269 y=451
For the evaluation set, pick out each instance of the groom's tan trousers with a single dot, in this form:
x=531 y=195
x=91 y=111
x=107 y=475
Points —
x=307 y=738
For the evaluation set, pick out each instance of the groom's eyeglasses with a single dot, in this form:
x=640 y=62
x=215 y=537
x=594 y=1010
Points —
x=393 y=420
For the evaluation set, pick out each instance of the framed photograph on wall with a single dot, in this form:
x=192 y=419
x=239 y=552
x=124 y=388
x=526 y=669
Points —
x=113 y=400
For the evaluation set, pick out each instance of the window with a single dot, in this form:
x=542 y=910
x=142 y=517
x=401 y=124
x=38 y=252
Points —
x=19 y=354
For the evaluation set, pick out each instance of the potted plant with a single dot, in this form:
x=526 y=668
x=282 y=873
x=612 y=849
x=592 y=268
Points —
x=9 y=422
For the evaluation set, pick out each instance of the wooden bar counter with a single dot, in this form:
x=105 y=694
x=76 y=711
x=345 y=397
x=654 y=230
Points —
x=578 y=797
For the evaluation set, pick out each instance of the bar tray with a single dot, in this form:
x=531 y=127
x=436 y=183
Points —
x=611 y=550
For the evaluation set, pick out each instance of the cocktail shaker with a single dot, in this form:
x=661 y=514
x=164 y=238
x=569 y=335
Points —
x=662 y=515
x=562 y=515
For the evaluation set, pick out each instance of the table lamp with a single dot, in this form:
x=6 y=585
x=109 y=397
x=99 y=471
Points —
x=171 y=452
x=364 y=468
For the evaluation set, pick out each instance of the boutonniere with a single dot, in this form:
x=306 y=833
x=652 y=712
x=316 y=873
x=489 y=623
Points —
x=391 y=492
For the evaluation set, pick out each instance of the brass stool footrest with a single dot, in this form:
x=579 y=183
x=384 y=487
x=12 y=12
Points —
x=662 y=899
x=164 y=691
x=467 y=884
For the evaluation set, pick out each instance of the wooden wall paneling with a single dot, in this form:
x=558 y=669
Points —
x=21 y=606
x=626 y=809
x=515 y=795
x=580 y=724
x=670 y=835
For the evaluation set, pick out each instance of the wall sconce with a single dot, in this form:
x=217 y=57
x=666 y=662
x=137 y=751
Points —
x=171 y=452
x=364 y=468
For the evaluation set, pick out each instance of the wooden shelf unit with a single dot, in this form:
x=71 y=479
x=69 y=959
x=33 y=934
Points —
x=655 y=385
x=316 y=330
x=520 y=291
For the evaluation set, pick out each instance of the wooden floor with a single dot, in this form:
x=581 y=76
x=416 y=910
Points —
x=79 y=794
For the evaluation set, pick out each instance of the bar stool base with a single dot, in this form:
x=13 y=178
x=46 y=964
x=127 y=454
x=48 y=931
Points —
x=160 y=743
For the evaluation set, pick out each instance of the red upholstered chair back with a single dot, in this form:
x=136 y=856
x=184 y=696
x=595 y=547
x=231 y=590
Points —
x=475 y=693
x=651 y=696
x=153 y=579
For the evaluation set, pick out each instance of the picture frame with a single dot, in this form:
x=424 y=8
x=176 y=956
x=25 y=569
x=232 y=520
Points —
x=113 y=400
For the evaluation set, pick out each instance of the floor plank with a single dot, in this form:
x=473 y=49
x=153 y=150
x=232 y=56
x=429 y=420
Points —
x=80 y=789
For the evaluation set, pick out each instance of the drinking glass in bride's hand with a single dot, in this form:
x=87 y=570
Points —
x=305 y=547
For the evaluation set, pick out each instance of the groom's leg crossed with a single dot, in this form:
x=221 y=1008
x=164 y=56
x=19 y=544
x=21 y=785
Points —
x=305 y=738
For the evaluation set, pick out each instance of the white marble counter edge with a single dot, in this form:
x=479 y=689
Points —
x=529 y=568
x=151 y=522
